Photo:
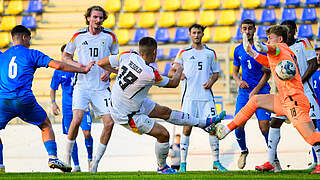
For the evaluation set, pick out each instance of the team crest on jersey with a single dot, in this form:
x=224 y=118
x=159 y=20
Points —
x=103 y=43
x=85 y=43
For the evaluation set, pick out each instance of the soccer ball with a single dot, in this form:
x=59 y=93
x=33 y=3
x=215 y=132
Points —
x=285 y=70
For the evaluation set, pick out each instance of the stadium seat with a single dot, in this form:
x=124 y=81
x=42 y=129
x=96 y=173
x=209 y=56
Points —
x=173 y=53
x=14 y=7
x=5 y=39
x=222 y=34
x=167 y=19
x=312 y=2
x=113 y=5
x=231 y=4
x=181 y=35
x=151 y=5
x=273 y=3
x=126 y=20
x=171 y=5
x=309 y=14
x=1 y=7
x=29 y=22
x=35 y=6
x=146 y=20
x=248 y=14
x=191 y=4
x=292 y=2
x=160 y=54
x=227 y=17
x=219 y=103
x=211 y=4
x=131 y=5
x=305 y=30
x=122 y=35
x=140 y=33
x=162 y=35
x=289 y=14
x=207 y=35
x=109 y=22
x=166 y=69
x=268 y=16
x=7 y=23
x=186 y=18
x=318 y=34
x=238 y=35
x=207 y=18
x=251 y=4
x=231 y=51
x=262 y=32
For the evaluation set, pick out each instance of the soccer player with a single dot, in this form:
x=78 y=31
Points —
x=17 y=66
x=307 y=63
x=174 y=153
x=92 y=43
x=65 y=79
x=254 y=80
x=291 y=100
x=201 y=71
x=130 y=106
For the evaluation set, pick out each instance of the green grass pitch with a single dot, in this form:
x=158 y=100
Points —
x=292 y=174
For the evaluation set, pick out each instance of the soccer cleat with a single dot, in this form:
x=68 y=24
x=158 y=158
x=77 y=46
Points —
x=221 y=131
x=277 y=166
x=93 y=167
x=2 y=169
x=210 y=123
x=76 y=169
x=56 y=163
x=265 y=167
x=167 y=170
x=317 y=170
x=218 y=166
x=242 y=159
x=183 y=167
x=312 y=166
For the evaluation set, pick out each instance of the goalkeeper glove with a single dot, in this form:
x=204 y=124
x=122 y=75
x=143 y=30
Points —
x=258 y=44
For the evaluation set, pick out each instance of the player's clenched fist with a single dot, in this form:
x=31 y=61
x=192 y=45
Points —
x=88 y=67
x=177 y=67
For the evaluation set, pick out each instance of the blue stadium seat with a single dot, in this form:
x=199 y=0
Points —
x=268 y=16
x=160 y=54
x=162 y=35
x=248 y=14
x=292 y=2
x=309 y=14
x=182 y=35
x=319 y=33
x=173 y=53
x=305 y=30
x=274 y=3
x=262 y=32
x=289 y=14
x=29 y=22
x=238 y=35
x=140 y=33
x=166 y=69
x=312 y=2
x=35 y=6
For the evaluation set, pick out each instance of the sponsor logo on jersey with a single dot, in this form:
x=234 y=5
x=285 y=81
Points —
x=85 y=43
x=192 y=57
x=313 y=115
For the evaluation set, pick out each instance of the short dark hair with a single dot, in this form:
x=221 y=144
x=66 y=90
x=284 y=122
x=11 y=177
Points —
x=317 y=49
x=20 y=30
x=248 y=21
x=279 y=30
x=95 y=8
x=197 y=26
x=147 y=45
x=290 y=23
x=63 y=47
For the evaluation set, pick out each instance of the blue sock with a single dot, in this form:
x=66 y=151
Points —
x=74 y=154
x=266 y=136
x=51 y=147
x=314 y=155
x=89 y=146
x=241 y=138
x=1 y=153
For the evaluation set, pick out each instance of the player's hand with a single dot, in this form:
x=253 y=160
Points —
x=207 y=85
x=243 y=85
x=177 y=67
x=258 y=44
x=88 y=67
x=105 y=76
x=183 y=76
x=55 y=109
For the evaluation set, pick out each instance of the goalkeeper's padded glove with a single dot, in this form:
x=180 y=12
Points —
x=258 y=44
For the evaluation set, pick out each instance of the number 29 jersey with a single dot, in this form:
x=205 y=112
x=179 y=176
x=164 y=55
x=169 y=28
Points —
x=92 y=48
x=133 y=81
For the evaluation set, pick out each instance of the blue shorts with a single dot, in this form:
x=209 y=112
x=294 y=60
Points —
x=243 y=98
x=67 y=118
x=26 y=108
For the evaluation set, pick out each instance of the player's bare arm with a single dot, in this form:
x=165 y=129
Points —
x=264 y=79
x=242 y=84
x=312 y=67
x=172 y=71
x=175 y=79
x=55 y=107
x=68 y=58
x=70 y=68
x=214 y=77
x=104 y=63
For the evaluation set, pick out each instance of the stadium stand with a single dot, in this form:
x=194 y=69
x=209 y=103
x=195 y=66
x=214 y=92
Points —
x=272 y=3
x=122 y=35
x=173 y=53
x=186 y=18
x=251 y=3
x=261 y=32
x=29 y=22
x=35 y=6
x=309 y=14
x=166 y=69
x=211 y=4
x=140 y=33
x=207 y=35
x=113 y=5
x=131 y=5
x=146 y=20
x=191 y=4
x=126 y=20
x=5 y=39
x=312 y=2
x=222 y=34
x=248 y=14
x=238 y=35
x=14 y=7
x=268 y=16
x=167 y=19
x=160 y=54
x=7 y=23
x=289 y=14
x=171 y=5
x=162 y=35
x=207 y=18
x=227 y=17
x=292 y=3
x=1 y=7
x=181 y=35
x=151 y=5
x=305 y=30
x=110 y=22
x=231 y=4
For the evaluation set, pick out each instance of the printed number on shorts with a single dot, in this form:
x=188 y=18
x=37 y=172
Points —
x=213 y=111
x=13 y=68
x=126 y=78
x=293 y=112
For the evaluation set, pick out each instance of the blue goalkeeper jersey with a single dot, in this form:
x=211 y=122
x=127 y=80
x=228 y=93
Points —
x=251 y=69
x=17 y=66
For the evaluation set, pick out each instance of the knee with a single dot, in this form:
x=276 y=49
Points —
x=164 y=137
x=264 y=126
x=87 y=134
x=187 y=130
x=108 y=122
x=276 y=123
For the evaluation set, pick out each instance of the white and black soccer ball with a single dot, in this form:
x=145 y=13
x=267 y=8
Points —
x=285 y=70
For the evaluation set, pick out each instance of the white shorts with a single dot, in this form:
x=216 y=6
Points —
x=138 y=122
x=314 y=112
x=199 y=109
x=98 y=99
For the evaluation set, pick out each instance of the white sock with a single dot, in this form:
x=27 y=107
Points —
x=100 y=152
x=273 y=140
x=214 y=144
x=161 y=150
x=184 y=146
x=185 y=119
x=317 y=150
x=69 y=147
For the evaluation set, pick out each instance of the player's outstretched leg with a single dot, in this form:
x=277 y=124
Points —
x=211 y=122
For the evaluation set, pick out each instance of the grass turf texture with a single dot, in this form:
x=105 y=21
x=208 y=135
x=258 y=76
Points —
x=292 y=174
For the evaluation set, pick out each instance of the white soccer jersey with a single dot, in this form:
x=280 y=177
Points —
x=133 y=82
x=92 y=48
x=198 y=67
